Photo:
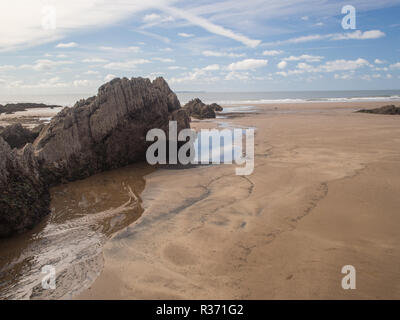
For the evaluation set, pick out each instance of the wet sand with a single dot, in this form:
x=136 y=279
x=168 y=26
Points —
x=324 y=194
x=84 y=214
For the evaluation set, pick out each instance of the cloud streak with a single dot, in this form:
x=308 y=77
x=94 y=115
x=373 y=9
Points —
x=210 y=27
x=356 y=35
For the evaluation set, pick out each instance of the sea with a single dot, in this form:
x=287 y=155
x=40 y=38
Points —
x=230 y=98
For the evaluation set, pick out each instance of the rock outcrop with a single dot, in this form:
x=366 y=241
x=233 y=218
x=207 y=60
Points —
x=390 y=109
x=15 y=107
x=216 y=107
x=197 y=109
x=106 y=131
x=24 y=196
x=17 y=136
x=102 y=132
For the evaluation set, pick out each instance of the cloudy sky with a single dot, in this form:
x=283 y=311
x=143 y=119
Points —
x=73 y=46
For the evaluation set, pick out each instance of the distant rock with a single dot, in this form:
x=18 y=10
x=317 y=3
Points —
x=15 y=107
x=17 y=136
x=24 y=196
x=107 y=131
x=216 y=107
x=390 y=109
x=197 y=109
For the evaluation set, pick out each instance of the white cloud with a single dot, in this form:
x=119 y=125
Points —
x=356 y=35
x=342 y=64
x=366 y=77
x=305 y=18
x=343 y=76
x=272 y=52
x=210 y=53
x=233 y=75
x=305 y=57
x=185 y=35
x=359 y=35
x=248 y=64
x=166 y=60
x=91 y=72
x=282 y=73
x=125 y=65
x=22 y=27
x=337 y=65
x=395 y=66
x=94 y=60
x=54 y=82
x=44 y=64
x=176 y=68
x=212 y=67
x=67 y=45
x=133 y=49
x=196 y=74
x=378 y=61
x=151 y=17
x=109 y=77
x=81 y=83
x=329 y=66
x=7 y=67
x=211 y=27
x=282 y=65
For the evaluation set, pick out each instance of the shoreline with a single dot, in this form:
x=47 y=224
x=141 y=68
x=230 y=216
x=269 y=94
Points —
x=220 y=236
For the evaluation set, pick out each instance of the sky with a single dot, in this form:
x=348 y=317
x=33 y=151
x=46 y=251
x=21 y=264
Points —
x=74 y=46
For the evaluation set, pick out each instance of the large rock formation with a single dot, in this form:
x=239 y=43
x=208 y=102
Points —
x=106 y=131
x=17 y=136
x=103 y=132
x=24 y=196
x=197 y=109
x=390 y=109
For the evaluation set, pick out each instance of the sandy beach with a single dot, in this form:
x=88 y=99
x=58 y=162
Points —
x=324 y=194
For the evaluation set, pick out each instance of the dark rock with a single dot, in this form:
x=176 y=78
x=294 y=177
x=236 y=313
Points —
x=24 y=196
x=15 y=107
x=390 y=109
x=106 y=131
x=216 y=107
x=99 y=133
x=197 y=109
x=17 y=136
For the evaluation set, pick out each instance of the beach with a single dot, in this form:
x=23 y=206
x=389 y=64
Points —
x=323 y=194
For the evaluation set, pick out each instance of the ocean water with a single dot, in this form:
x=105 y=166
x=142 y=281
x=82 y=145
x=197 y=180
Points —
x=232 y=98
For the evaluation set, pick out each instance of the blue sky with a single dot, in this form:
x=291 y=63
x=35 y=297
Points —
x=74 y=46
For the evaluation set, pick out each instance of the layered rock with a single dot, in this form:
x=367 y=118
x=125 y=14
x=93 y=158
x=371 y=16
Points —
x=106 y=131
x=100 y=133
x=390 y=109
x=24 y=196
x=17 y=136
x=197 y=109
